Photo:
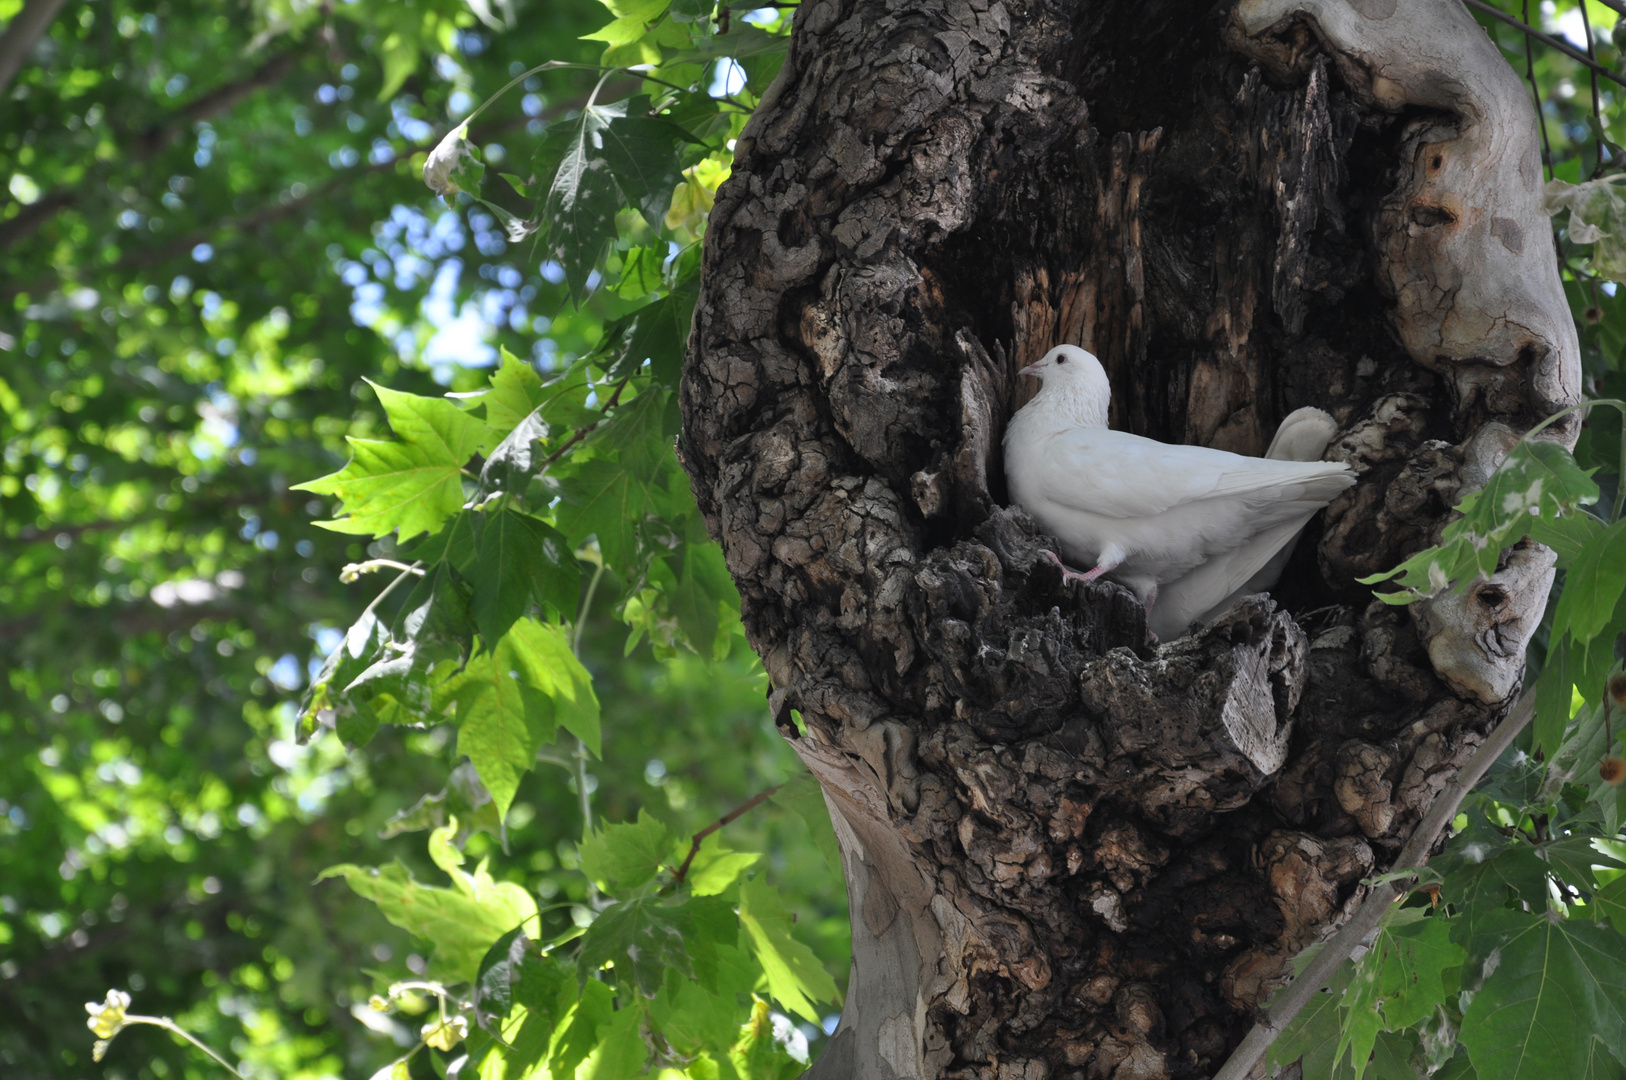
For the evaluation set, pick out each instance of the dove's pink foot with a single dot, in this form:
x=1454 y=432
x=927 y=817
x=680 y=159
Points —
x=1068 y=574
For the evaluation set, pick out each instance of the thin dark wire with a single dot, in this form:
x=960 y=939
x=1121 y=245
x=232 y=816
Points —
x=1541 y=115
x=1597 y=108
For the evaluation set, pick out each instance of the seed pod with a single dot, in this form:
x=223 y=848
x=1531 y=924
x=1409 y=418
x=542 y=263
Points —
x=1613 y=771
x=1617 y=689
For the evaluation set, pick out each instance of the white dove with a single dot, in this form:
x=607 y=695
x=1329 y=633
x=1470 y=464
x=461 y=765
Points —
x=1144 y=512
x=1212 y=588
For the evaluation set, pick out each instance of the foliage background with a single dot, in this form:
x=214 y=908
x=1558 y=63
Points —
x=215 y=229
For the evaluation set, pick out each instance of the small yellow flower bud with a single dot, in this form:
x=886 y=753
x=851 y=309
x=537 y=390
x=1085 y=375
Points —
x=379 y=1003
x=107 y=1017
x=445 y=1033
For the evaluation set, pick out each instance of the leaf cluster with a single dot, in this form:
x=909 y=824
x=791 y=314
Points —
x=216 y=233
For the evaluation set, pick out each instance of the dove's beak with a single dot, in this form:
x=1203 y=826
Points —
x=1032 y=371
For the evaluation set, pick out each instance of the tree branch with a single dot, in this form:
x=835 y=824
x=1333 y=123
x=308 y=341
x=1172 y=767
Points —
x=586 y=430
x=24 y=29
x=154 y=140
x=220 y=100
x=1548 y=40
x=744 y=808
x=1332 y=955
x=272 y=211
x=30 y=534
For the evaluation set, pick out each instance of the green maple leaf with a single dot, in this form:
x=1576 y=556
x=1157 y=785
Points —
x=412 y=485
x=1550 y=986
x=795 y=976
x=516 y=390
x=715 y=867
x=602 y=498
x=512 y=699
x=462 y=921
x=520 y=560
x=642 y=152
x=622 y=857
x=643 y=937
x=1537 y=483
x=1313 y=1034
x=583 y=199
x=1592 y=585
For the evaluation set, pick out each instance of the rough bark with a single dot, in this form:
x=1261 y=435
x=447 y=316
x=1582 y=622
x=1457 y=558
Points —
x=1069 y=854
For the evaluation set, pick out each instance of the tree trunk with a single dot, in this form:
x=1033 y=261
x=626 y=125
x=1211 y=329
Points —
x=1070 y=854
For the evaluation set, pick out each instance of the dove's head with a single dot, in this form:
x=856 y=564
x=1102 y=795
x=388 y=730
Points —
x=1073 y=379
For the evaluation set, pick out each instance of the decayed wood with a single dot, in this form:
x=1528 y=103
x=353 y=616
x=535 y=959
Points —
x=1069 y=854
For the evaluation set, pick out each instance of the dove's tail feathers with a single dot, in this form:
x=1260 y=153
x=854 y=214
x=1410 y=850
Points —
x=1303 y=436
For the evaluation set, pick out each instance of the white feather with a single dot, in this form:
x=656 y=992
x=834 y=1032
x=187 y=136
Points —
x=1213 y=587
x=1150 y=513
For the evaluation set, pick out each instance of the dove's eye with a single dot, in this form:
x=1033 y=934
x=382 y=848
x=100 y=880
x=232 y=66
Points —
x=1061 y=359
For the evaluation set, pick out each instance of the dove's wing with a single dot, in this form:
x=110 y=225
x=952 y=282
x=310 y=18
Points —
x=1223 y=579
x=1115 y=474
x=1210 y=589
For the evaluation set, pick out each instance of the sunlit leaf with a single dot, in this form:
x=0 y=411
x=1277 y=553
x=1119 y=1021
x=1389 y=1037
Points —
x=622 y=857
x=796 y=979
x=621 y=1051
x=412 y=485
x=583 y=198
x=461 y=922
x=511 y=700
x=715 y=867
x=516 y=391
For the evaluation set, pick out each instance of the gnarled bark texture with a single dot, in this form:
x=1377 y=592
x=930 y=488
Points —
x=1070 y=854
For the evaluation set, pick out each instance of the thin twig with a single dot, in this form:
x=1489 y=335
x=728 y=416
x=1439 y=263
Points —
x=1597 y=109
x=1535 y=91
x=171 y=1026
x=578 y=766
x=582 y=432
x=1547 y=39
x=1332 y=955
x=353 y=571
x=744 y=808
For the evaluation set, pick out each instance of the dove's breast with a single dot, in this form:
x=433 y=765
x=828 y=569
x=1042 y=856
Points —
x=1157 y=510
